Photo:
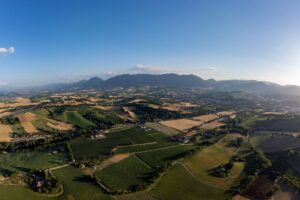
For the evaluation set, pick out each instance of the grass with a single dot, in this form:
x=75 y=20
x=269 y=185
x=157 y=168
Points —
x=178 y=183
x=18 y=129
x=162 y=128
x=124 y=175
x=100 y=148
x=78 y=185
x=75 y=118
x=24 y=161
x=41 y=112
x=133 y=149
x=18 y=192
x=165 y=156
x=258 y=138
x=211 y=157
x=137 y=135
x=41 y=125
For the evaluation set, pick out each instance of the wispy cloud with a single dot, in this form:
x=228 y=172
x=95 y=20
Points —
x=209 y=69
x=8 y=50
x=151 y=69
x=2 y=83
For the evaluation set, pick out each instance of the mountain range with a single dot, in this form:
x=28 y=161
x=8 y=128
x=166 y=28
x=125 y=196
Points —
x=180 y=81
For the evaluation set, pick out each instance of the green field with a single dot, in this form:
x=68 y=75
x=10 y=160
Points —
x=84 y=116
x=41 y=124
x=259 y=137
x=212 y=157
x=74 y=117
x=162 y=128
x=145 y=147
x=124 y=175
x=15 y=125
x=78 y=186
x=41 y=112
x=99 y=148
x=24 y=161
x=178 y=183
x=16 y=192
x=165 y=156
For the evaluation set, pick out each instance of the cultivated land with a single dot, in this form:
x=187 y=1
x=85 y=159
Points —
x=206 y=118
x=213 y=125
x=25 y=161
x=5 y=131
x=162 y=128
x=171 y=150
x=179 y=183
x=210 y=158
x=182 y=125
x=125 y=174
x=280 y=143
x=26 y=120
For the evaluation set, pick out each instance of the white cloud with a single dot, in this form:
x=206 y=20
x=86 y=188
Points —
x=150 y=69
x=210 y=69
x=8 y=50
x=3 y=83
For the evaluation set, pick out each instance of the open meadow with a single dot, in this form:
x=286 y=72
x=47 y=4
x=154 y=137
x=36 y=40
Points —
x=211 y=157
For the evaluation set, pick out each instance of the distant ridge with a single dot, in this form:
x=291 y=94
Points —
x=180 y=81
x=170 y=80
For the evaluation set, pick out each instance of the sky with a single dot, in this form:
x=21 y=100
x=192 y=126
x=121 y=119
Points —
x=51 y=41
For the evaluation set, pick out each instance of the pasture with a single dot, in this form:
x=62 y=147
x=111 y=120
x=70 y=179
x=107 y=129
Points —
x=165 y=156
x=78 y=186
x=211 y=157
x=178 y=183
x=24 y=161
x=19 y=192
x=259 y=137
x=74 y=117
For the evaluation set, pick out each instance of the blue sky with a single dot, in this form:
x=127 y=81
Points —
x=46 y=41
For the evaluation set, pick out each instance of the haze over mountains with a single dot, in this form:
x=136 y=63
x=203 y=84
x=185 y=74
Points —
x=180 y=81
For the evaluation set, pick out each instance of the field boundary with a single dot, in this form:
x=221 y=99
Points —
x=197 y=179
